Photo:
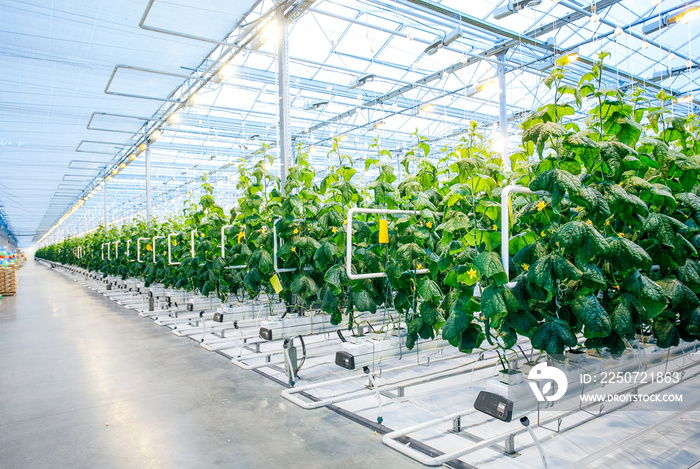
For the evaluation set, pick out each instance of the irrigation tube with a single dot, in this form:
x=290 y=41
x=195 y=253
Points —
x=505 y=215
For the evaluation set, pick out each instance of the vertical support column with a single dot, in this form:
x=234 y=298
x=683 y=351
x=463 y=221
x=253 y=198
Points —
x=104 y=200
x=502 y=111
x=149 y=208
x=285 y=133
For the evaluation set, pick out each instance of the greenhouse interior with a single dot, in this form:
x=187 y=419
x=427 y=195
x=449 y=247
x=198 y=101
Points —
x=359 y=233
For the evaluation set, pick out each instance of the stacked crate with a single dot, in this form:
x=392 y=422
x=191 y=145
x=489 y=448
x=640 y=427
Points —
x=8 y=280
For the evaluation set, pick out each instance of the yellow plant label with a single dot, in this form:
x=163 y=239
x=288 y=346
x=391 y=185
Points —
x=276 y=284
x=241 y=235
x=383 y=232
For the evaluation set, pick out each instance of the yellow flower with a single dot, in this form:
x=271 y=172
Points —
x=264 y=230
x=429 y=225
x=149 y=247
x=472 y=273
x=541 y=206
x=419 y=266
x=495 y=227
x=617 y=287
x=241 y=235
x=589 y=222
x=296 y=231
x=543 y=234
x=558 y=244
x=607 y=222
x=621 y=235
x=335 y=230
x=345 y=222
x=294 y=249
x=525 y=267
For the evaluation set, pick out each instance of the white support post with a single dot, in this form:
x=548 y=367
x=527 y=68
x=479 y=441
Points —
x=502 y=110
x=149 y=208
x=104 y=200
x=285 y=134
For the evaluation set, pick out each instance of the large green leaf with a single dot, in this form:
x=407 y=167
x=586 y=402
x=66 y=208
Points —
x=430 y=313
x=490 y=266
x=650 y=296
x=557 y=182
x=596 y=206
x=456 y=323
x=304 y=286
x=582 y=240
x=613 y=343
x=471 y=338
x=690 y=200
x=325 y=254
x=666 y=332
x=541 y=132
x=550 y=268
x=662 y=228
x=591 y=313
x=592 y=276
x=330 y=302
x=625 y=255
x=613 y=152
x=363 y=302
x=623 y=203
x=659 y=195
x=336 y=278
x=493 y=304
x=409 y=252
x=621 y=319
x=306 y=245
x=262 y=259
x=681 y=298
x=330 y=219
x=429 y=290
x=457 y=221
x=553 y=336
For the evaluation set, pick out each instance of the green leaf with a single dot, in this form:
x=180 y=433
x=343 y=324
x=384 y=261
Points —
x=262 y=259
x=625 y=255
x=613 y=152
x=363 y=302
x=336 y=278
x=681 y=298
x=613 y=343
x=455 y=324
x=690 y=200
x=582 y=240
x=415 y=325
x=593 y=201
x=592 y=276
x=410 y=252
x=429 y=290
x=470 y=339
x=304 y=286
x=325 y=254
x=330 y=219
x=650 y=296
x=550 y=268
x=489 y=265
x=666 y=332
x=541 y=132
x=522 y=321
x=623 y=203
x=306 y=245
x=493 y=304
x=430 y=313
x=659 y=195
x=553 y=336
x=621 y=319
x=330 y=302
x=589 y=311
x=557 y=182
x=662 y=228
x=457 y=221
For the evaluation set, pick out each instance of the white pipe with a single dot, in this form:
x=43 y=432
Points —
x=348 y=250
x=170 y=258
x=223 y=240
x=505 y=216
x=138 y=248
x=116 y=249
x=153 y=246
x=192 y=233
x=274 y=250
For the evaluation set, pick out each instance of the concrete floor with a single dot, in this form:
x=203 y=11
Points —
x=86 y=383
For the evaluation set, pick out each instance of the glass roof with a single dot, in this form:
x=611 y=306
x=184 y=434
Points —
x=90 y=79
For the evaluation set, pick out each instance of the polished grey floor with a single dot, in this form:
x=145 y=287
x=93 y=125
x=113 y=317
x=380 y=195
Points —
x=86 y=383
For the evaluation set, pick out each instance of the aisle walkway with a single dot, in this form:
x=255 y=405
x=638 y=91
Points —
x=86 y=383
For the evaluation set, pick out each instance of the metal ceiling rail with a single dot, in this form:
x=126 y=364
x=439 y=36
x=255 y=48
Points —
x=109 y=114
